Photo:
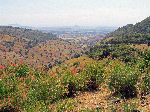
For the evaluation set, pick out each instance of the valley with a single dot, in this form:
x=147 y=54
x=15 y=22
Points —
x=75 y=70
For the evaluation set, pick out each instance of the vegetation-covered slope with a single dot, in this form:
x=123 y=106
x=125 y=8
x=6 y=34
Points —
x=114 y=85
x=138 y=33
x=48 y=53
x=125 y=53
x=24 y=33
x=142 y=27
x=111 y=78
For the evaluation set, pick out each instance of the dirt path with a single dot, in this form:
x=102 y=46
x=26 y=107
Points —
x=93 y=100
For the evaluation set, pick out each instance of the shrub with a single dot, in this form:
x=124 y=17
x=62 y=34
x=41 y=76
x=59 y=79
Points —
x=146 y=62
x=47 y=91
x=145 y=85
x=8 y=87
x=66 y=106
x=38 y=106
x=3 y=90
x=123 y=81
x=90 y=78
x=124 y=53
x=80 y=81
x=130 y=108
x=22 y=70
x=94 y=75
x=87 y=80
x=69 y=82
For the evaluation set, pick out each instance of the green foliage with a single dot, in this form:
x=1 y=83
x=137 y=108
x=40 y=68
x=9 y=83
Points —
x=129 y=108
x=145 y=85
x=147 y=58
x=138 y=33
x=89 y=79
x=8 y=87
x=22 y=70
x=3 y=90
x=94 y=75
x=38 y=106
x=69 y=82
x=136 y=38
x=80 y=81
x=67 y=105
x=125 y=53
x=123 y=81
x=145 y=63
x=122 y=31
x=49 y=91
x=44 y=90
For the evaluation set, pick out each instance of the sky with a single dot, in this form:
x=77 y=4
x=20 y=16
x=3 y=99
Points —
x=48 y=13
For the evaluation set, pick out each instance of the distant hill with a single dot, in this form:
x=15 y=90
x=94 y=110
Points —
x=142 y=27
x=26 y=33
x=138 y=33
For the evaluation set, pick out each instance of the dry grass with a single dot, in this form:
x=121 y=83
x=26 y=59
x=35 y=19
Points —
x=141 y=47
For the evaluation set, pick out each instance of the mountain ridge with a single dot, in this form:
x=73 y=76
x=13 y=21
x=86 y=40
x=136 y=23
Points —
x=140 y=27
x=136 y=34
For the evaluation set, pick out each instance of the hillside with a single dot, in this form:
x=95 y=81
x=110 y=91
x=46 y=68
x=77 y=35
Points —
x=32 y=37
x=78 y=85
x=142 y=27
x=26 y=33
x=55 y=76
x=138 y=33
x=34 y=48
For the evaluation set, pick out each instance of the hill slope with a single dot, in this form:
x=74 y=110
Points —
x=34 y=47
x=33 y=36
x=138 y=33
x=142 y=27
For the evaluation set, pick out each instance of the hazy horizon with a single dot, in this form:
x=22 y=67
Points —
x=54 y=13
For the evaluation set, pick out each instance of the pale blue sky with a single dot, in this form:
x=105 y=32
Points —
x=73 y=12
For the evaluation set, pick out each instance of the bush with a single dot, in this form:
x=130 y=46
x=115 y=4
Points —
x=94 y=74
x=69 y=81
x=124 y=53
x=130 y=108
x=38 y=106
x=87 y=80
x=8 y=87
x=47 y=91
x=3 y=90
x=66 y=106
x=145 y=66
x=22 y=70
x=90 y=78
x=145 y=85
x=123 y=81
